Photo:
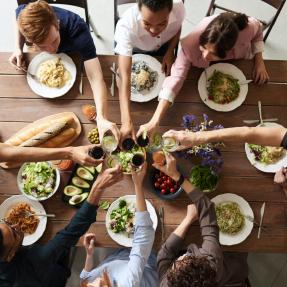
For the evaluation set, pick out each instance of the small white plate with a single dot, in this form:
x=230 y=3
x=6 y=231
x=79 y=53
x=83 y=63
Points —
x=271 y=168
x=41 y=89
x=228 y=239
x=36 y=206
x=227 y=69
x=155 y=65
x=20 y=184
x=121 y=238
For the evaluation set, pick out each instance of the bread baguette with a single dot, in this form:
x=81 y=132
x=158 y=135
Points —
x=25 y=135
x=61 y=138
x=45 y=135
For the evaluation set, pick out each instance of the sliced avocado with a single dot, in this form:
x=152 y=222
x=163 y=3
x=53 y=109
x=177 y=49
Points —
x=71 y=190
x=84 y=173
x=91 y=169
x=99 y=168
x=80 y=182
x=78 y=198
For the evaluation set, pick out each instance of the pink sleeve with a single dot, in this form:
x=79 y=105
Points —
x=257 y=29
x=173 y=83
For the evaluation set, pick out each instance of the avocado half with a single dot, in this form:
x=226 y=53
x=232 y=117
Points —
x=91 y=169
x=78 y=198
x=71 y=190
x=84 y=173
x=77 y=181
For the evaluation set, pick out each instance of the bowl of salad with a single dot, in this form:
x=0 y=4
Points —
x=38 y=180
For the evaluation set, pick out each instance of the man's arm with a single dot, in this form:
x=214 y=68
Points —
x=100 y=92
x=26 y=154
x=125 y=63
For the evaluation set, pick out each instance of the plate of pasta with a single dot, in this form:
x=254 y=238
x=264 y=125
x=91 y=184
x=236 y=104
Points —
x=220 y=89
x=18 y=211
x=55 y=74
x=146 y=78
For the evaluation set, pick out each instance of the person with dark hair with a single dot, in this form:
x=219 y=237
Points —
x=151 y=27
x=198 y=266
x=47 y=265
x=216 y=38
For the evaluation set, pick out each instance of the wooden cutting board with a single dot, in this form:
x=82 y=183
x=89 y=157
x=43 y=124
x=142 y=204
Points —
x=76 y=125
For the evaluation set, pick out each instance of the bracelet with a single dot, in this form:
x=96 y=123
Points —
x=181 y=180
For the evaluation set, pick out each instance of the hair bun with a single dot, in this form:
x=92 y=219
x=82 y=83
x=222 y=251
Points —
x=241 y=20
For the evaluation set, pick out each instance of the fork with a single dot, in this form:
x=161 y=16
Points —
x=260 y=114
x=34 y=77
x=251 y=219
x=29 y=213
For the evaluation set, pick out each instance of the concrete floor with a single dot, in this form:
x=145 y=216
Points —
x=266 y=270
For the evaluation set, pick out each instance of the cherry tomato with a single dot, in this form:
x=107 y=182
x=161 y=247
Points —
x=163 y=191
x=172 y=190
x=159 y=180
x=163 y=185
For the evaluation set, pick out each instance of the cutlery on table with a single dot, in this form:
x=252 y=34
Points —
x=28 y=213
x=251 y=219
x=260 y=113
x=113 y=80
x=262 y=210
x=245 y=82
x=81 y=82
x=34 y=77
x=115 y=72
x=161 y=216
x=257 y=121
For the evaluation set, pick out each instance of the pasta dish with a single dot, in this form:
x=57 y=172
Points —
x=222 y=88
x=229 y=217
x=22 y=216
x=53 y=74
x=142 y=78
x=266 y=154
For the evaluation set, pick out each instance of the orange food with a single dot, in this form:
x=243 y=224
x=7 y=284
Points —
x=89 y=111
x=65 y=164
x=159 y=157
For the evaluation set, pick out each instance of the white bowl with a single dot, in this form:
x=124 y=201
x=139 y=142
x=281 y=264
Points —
x=20 y=185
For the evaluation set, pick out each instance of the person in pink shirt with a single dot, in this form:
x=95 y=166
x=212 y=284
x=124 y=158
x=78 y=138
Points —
x=216 y=38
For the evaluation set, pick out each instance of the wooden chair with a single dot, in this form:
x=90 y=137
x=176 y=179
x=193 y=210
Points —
x=267 y=25
x=77 y=3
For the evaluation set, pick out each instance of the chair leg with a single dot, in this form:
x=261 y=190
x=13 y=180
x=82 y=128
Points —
x=94 y=28
x=247 y=283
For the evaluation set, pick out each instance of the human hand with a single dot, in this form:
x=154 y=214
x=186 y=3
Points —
x=148 y=128
x=105 y=125
x=259 y=74
x=127 y=130
x=191 y=214
x=89 y=243
x=107 y=178
x=80 y=155
x=17 y=59
x=138 y=176
x=167 y=62
x=186 y=139
x=281 y=177
x=169 y=168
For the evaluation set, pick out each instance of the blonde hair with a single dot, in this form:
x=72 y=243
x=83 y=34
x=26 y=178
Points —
x=35 y=21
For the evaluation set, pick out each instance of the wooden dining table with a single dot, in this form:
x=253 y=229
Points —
x=19 y=106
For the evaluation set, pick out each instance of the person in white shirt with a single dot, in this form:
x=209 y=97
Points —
x=151 y=27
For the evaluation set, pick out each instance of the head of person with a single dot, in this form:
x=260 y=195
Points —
x=191 y=271
x=103 y=281
x=39 y=25
x=11 y=239
x=221 y=35
x=155 y=15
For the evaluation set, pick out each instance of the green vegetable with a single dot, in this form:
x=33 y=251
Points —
x=104 y=205
x=38 y=179
x=203 y=178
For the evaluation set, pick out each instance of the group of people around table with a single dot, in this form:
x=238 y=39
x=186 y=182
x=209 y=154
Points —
x=150 y=27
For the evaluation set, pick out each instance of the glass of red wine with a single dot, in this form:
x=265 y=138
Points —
x=143 y=141
x=138 y=160
x=97 y=152
x=128 y=144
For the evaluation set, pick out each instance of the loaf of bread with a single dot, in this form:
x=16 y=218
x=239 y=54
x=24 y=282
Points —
x=61 y=138
x=29 y=133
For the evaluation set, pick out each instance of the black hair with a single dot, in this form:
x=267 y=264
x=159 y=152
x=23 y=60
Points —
x=223 y=32
x=192 y=271
x=1 y=245
x=156 y=5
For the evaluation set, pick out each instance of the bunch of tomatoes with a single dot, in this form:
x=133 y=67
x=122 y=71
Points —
x=164 y=184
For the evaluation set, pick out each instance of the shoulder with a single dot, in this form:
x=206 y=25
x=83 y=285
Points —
x=178 y=9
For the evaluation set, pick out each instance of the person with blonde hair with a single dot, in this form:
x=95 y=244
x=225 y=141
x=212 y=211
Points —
x=56 y=30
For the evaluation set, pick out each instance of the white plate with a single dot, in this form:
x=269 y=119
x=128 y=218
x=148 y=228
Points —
x=36 y=206
x=41 y=89
x=20 y=184
x=155 y=65
x=227 y=239
x=121 y=238
x=227 y=69
x=272 y=168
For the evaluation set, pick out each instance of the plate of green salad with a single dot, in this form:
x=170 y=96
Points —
x=219 y=87
x=231 y=214
x=266 y=158
x=38 y=180
x=120 y=219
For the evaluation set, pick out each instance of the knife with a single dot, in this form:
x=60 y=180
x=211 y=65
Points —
x=262 y=210
x=113 y=80
x=257 y=121
x=81 y=81
x=161 y=216
x=245 y=82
